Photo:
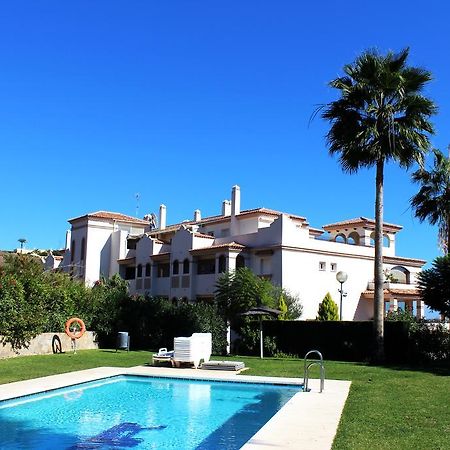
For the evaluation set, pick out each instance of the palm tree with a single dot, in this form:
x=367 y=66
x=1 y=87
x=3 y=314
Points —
x=381 y=116
x=22 y=242
x=432 y=202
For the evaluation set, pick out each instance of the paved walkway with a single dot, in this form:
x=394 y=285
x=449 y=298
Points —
x=307 y=421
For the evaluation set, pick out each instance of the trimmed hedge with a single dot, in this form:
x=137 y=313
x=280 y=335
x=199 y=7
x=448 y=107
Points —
x=340 y=341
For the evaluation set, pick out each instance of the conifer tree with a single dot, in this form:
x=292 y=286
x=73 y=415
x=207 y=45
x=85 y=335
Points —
x=328 y=310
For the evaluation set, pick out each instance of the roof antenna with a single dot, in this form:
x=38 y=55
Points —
x=137 y=197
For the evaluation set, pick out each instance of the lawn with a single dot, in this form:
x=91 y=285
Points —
x=388 y=407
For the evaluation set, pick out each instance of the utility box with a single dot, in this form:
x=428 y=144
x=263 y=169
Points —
x=123 y=341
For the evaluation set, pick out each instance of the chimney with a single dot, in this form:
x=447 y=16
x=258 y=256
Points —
x=235 y=200
x=162 y=217
x=68 y=236
x=197 y=215
x=226 y=208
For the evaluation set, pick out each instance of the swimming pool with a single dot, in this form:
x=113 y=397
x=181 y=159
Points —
x=143 y=413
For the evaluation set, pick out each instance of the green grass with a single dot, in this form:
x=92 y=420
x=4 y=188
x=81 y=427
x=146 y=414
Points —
x=388 y=408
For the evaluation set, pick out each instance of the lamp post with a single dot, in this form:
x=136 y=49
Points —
x=342 y=278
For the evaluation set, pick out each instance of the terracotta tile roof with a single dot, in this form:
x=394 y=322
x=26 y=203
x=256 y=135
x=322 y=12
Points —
x=393 y=291
x=220 y=218
x=126 y=261
x=202 y=235
x=315 y=231
x=403 y=260
x=230 y=246
x=111 y=216
x=360 y=221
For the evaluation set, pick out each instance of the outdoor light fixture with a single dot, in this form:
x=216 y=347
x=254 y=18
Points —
x=342 y=278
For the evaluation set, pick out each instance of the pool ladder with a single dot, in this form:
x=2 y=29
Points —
x=308 y=363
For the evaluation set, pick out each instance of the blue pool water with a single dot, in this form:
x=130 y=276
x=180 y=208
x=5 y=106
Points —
x=141 y=413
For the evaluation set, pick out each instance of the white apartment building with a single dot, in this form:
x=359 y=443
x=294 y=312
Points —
x=183 y=261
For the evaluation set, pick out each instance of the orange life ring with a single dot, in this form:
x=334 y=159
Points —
x=73 y=334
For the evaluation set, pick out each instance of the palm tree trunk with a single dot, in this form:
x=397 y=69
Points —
x=378 y=306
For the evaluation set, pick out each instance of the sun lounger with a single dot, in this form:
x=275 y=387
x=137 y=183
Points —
x=223 y=365
x=192 y=349
x=162 y=356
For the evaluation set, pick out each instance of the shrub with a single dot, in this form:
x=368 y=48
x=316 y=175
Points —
x=20 y=319
x=328 y=310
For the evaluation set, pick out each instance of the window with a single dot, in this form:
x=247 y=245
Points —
x=261 y=266
x=206 y=266
x=148 y=270
x=322 y=265
x=333 y=267
x=174 y=301
x=139 y=271
x=240 y=262
x=72 y=251
x=131 y=244
x=83 y=249
x=175 y=267
x=163 y=270
x=130 y=272
x=186 y=266
x=222 y=264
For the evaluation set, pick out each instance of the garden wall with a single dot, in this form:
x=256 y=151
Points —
x=42 y=344
x=341 y=341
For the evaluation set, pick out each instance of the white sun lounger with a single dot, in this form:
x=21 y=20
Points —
x=162 y=356
x=192 y=349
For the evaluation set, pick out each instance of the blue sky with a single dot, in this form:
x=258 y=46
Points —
x=180 y=100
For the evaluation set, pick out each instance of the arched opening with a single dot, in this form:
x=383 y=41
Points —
x=353 y=238
x=399 y=274
x=139 y=271
x=386 y=241
x=186 y=266
x=372 y=239
x=222 y=264
x=175 y=267
x=240 y=262
x=340 y=238
x=148 y=270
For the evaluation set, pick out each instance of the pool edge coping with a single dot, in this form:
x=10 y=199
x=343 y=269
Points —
x=308 y=420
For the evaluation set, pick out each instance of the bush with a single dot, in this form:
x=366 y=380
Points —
x=328 y=310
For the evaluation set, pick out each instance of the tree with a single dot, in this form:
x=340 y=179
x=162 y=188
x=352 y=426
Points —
x=328 y=310
x=432 y=202
x=238 y=291
x=381 y=116
x=434 y=285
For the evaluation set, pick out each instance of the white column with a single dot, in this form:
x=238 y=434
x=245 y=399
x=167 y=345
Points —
x=420 y=309
x=393 y=304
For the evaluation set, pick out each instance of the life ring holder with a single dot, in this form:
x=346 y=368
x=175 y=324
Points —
x=72 y=333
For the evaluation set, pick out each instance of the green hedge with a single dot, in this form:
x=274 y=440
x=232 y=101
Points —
x=341 y=341
x=153 y=323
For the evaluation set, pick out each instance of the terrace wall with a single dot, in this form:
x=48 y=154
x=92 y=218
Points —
x=42 y=344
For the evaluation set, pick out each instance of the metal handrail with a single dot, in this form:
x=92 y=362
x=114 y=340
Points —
x=308 y=366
